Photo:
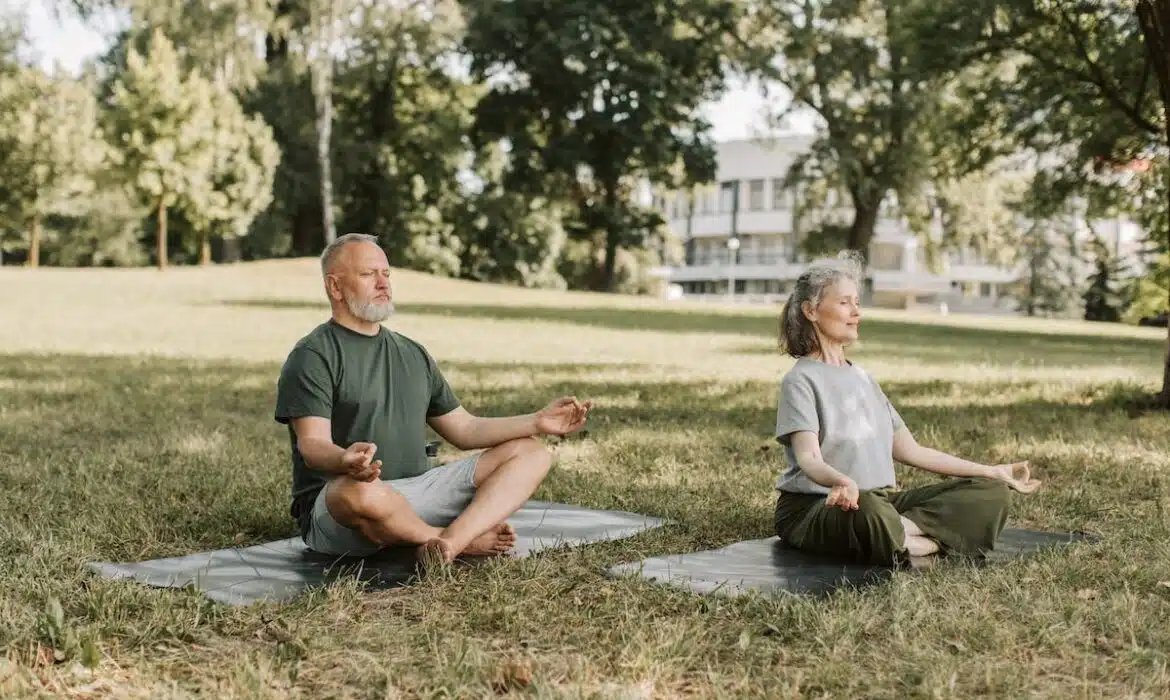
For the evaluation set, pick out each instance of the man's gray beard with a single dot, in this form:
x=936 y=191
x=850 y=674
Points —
x=370 y=312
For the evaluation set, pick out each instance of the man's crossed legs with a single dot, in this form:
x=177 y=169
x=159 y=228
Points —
x=458 y=508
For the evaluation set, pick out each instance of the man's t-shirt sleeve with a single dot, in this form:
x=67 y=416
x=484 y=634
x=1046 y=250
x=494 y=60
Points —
x=796 y=410
x=305 y=387
x=443 y=398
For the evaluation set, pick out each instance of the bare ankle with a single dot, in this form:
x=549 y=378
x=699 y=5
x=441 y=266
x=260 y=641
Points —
x=919 y=546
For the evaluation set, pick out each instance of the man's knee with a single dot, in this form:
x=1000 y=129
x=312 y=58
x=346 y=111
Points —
x=350 y=501
x=526 y=453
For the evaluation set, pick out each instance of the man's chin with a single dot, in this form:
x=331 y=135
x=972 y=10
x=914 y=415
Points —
x=374 y=313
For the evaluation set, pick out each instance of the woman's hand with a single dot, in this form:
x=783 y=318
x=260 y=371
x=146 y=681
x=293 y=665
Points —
x=844 y=496
x=1016 y=475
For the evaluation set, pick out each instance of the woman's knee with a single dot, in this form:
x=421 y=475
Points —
x=992 y=492
x=878 y=529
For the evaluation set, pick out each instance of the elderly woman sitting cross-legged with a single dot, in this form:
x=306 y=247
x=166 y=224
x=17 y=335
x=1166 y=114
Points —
x=841 y=437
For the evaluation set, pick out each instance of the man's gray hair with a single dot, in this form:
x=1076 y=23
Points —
x=331 y=250
x=798 y=338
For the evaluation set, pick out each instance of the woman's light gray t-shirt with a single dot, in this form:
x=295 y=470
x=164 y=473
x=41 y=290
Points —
x=854 y=422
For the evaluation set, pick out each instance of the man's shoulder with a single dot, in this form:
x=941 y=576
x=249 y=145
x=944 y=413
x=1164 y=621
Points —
x=318 y=342
x=411 y=348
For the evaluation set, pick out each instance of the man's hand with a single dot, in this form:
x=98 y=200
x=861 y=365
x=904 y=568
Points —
x=1016 y=475
x=844 y=496
x=358 y=462
x=563 y=416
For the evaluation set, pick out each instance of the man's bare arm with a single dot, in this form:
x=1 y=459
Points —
x=315 y=443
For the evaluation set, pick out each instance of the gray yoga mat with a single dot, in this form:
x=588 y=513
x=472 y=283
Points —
x=769 y=566
x=282 y=570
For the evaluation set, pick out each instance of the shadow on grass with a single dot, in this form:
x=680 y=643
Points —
x=911 y=339
x=128 y=458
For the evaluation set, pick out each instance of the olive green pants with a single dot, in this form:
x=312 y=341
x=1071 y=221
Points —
x=965 y=516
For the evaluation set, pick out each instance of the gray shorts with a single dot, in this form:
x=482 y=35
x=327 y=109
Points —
x=438 y=496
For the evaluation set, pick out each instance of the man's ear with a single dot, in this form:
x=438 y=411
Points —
x=333 y=288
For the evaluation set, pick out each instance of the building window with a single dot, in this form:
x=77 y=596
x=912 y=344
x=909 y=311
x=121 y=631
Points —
x=726 y=196
x=781 y=198
x=755 y=195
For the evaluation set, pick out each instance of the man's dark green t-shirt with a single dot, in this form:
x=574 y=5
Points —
x=379 y=389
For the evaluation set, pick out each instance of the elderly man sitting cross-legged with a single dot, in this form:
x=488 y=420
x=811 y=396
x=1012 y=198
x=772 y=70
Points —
x=357 y=398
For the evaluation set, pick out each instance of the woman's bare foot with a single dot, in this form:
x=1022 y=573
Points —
x=919 y=546
x=495 y=541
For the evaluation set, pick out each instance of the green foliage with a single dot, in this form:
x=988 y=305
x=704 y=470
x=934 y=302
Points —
x=104 y=230
x=58 y=150
x=1105 y=297
x=591 y=95
x=217 y=38
x=401 y=121
x=183 y=142
x=1151 y=294
x=856 y=64
x=239 y=183
x=509 y=236
x=158 y=122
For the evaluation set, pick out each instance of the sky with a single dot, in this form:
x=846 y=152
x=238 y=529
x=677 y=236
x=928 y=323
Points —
x=67 y=42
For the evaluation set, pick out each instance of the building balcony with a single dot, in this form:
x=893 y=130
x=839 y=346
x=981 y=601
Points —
x=904 y=282
x=752 y=223
x=746 y=270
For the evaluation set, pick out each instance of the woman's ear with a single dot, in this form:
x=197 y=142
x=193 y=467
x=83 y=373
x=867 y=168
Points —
x=809 y=312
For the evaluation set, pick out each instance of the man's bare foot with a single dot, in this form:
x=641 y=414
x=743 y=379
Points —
x=435 y=553
x=495 y=541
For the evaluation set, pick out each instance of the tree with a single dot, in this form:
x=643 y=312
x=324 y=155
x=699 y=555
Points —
x=57 y=148
x=158 y=123
x=239 y=183
x=217 y=38
x=507 y=236
x=325 y=18
x=402 y=118
x=1088 y=82
x=590 y=96
x=884 y=109
x=1154 y=17
x=1104 y=301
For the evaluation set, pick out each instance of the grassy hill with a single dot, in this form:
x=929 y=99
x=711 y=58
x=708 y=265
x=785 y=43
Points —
x=136 y=409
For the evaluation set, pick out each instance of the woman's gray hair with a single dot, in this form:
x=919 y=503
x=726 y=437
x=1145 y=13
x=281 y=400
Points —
x=798 y=338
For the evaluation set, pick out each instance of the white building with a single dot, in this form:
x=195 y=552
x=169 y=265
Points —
x=768 y=262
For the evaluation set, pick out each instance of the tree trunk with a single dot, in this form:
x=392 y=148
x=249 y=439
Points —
x=613 y=233
x=162 y=234
x=323 y=91
x=34 y=242
x=865 y=218
x=305 y=225
x=204 y=248
x=1154 y=18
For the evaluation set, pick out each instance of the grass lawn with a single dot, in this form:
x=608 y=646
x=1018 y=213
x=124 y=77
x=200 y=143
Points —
x=136 y=422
